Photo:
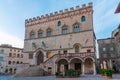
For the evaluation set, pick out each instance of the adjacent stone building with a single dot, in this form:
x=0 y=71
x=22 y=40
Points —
x=107 y=52
x=62 y=40
x=9 y=57
x=116 y=35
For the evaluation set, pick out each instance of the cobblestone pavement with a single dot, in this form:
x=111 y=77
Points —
x=85 y=77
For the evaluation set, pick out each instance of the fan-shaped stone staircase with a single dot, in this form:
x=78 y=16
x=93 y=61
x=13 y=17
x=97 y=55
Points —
x=32 y=71
x=37 y=70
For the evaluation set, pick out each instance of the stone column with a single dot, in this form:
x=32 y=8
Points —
x=68 y=65
x=110 y=63
x=94 y=68
x=101 y=65
x=104 y=64
x=62 y=68
x=34 y=59
x=83 y=68
x=56 y=67
x=44 y=56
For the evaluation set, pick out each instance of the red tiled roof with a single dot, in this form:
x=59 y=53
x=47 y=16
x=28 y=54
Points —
x=118 y=9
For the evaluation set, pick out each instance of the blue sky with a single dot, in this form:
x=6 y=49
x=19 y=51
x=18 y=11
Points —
x=14 y=12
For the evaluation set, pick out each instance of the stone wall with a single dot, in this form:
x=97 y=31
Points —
x=21 y=67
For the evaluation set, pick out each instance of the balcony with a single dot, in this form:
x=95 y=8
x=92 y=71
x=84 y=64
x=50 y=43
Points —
x=84 y=54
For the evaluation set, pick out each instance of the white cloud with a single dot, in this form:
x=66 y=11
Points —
x=104 y=16
x=6 y=38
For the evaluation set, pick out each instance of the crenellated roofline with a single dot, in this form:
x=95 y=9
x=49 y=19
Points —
x=59 y=15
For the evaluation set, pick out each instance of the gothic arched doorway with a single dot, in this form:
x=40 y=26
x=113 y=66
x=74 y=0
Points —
x=76 y=63
x=40 y=58
x=62 y=65
x=89 y=66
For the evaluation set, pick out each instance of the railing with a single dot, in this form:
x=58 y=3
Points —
x=84 y=54
x=50 y=60
x=77 y=54
x=54 y=56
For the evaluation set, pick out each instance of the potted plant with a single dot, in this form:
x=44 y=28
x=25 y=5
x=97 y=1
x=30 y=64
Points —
x=78 y=72
x=109 y=73
x=73 y=73
x=58 y=74
x=70 y=73
x=67 y=73
x=102 y=72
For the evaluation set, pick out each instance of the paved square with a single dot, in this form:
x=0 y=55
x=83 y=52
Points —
x=85 y=77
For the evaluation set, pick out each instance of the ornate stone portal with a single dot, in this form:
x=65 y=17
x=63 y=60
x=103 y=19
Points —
x=40 y=58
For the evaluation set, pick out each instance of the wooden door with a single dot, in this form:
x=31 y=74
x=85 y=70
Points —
x=40 y=58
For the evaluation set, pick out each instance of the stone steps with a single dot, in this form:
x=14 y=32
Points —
x=32 y=71
x=35 y=70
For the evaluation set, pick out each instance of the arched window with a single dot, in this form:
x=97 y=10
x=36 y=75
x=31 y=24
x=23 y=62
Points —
x=14 y=55
x=10 y=49
x=32 y=35
x=64 y=29
x=76 y=48
x=10 y=54
x=59 y=23
x=1 y=58
x=15 y=70
x=17 y=62
x=10 y=70
x=49 y=32
x=2 y=51
x=89 y=50
x=6 y=70
x=21 y=55
x=40 y=33
x=76 y=28
x=9 y=62
x=13 y=62
x=83 y=19
x=18 y=55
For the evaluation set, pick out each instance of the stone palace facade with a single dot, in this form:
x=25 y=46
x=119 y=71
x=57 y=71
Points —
x=62 y=40
x=10 y=57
